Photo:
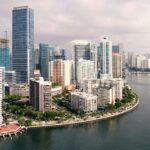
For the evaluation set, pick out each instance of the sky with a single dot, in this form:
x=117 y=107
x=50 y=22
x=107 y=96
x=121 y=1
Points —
x=58 y=22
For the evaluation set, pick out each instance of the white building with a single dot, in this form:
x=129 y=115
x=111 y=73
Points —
x=81 y=49
x=85 y=70
x=19 y=89
x=107 y=90
x=68 y=72
x=104 y=58
x=2 y=91
x=83 y=101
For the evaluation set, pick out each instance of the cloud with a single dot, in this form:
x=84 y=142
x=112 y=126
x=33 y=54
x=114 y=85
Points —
x=61 y=21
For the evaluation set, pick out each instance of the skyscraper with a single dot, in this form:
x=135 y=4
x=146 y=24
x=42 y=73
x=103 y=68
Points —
x=104 y=58
x=46 y=54
x=2 y=90
x=4 y=54
x=81 y=49
x=23 y=43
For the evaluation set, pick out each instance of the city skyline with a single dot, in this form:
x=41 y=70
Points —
x=113 y=20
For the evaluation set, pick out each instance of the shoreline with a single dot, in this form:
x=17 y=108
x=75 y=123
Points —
x=89 y=119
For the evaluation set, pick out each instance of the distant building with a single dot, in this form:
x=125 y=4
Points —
x=40 y=94
x=68 y=74
x=10 y=77
x=4 y=54
x=56 y=71
x=81 y=50
x=83 y=101
x=117 y=65
x=36 y=56
x=104 y=58
x=94 y=57
x=59 y=53
x=116 y=49
x=2 y=91
x=23 y=43
x=46 y=54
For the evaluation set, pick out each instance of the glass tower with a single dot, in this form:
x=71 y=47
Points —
x=46 y=54
x=23 y=43
x=81 y=50
x=104 y=58
x=4 y=54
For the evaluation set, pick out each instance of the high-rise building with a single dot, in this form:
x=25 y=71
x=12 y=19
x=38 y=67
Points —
x=104 y=58
x=23 y=43
x=2 y=91
x=68 y=73
x=117 y=65
x=4 y=54
x=81 y=49
x=94 y=57
x=85 y=70
x=46 y=54
x=40 y=94
x=61 y=72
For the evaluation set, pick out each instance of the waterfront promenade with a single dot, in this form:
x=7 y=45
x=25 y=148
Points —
x=123 y=110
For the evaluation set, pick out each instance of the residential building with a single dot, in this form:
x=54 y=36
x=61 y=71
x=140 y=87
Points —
x=61 y=72
x=85 y=70
x=94 y=57
x=84 y=101
x=117 y=65
x=4 y=54
x=104 y=58
x=40 y=94
x=106 y=90
x=23 y=43
x=56 y=71
x=68 y=74
x=19 y=89
x=81 y=49
x=2 y=91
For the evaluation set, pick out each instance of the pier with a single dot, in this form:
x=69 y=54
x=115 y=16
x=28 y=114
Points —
x=11 y=130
